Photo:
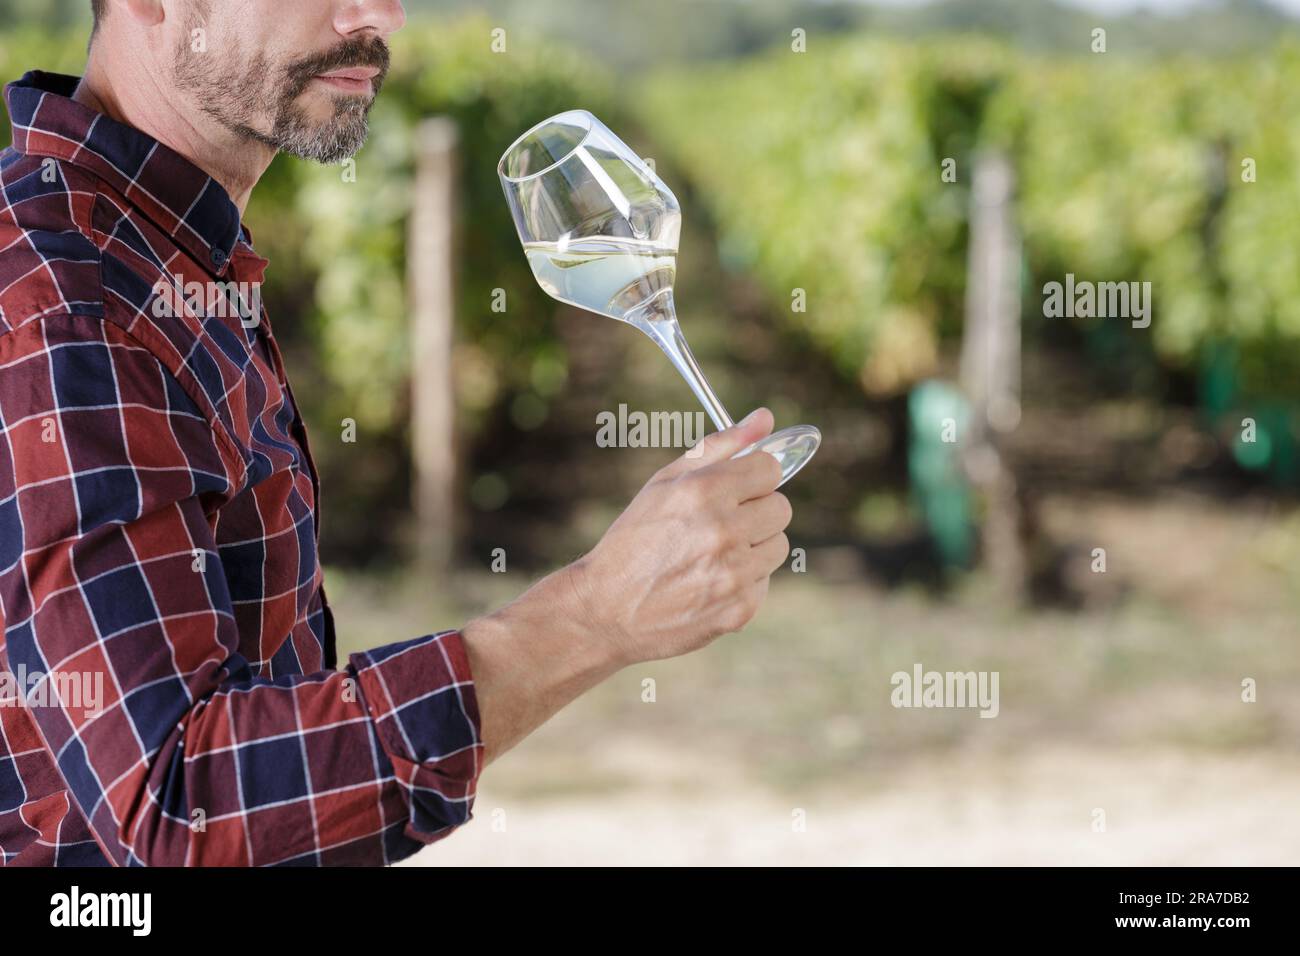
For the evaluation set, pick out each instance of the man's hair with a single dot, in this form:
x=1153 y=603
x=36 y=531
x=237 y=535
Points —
x=97 y=8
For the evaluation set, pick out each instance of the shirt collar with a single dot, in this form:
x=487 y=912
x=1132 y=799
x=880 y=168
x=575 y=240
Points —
x=180 y=198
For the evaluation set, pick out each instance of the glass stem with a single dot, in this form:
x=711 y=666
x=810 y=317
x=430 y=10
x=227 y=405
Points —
x=661 y=325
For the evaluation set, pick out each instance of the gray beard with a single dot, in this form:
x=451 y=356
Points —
x=237 y=100
x=330 y=141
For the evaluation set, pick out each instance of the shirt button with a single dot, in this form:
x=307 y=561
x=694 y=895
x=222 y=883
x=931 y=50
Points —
x=218 y=258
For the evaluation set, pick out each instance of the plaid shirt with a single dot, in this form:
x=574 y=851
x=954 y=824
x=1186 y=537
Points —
x=168 y=691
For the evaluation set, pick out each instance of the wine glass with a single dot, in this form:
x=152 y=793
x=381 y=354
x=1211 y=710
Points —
x=600 y=231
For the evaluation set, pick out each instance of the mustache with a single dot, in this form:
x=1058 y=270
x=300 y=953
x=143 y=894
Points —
x=370 y=51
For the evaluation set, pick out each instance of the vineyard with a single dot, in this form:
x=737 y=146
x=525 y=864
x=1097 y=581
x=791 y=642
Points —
x=818 y=179
x=826 y=173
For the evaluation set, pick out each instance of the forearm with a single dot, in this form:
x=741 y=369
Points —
x=533 y=657
x=688 y=559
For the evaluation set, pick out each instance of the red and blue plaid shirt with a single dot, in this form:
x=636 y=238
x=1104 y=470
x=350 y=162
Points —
x=168 y=691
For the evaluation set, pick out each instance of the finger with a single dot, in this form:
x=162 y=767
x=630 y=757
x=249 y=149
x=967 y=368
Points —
x=722 y=445
x=765 y=516
x=766 y=556
x=748 y=477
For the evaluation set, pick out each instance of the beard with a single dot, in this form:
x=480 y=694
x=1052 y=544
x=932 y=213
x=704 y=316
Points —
x=242 y=96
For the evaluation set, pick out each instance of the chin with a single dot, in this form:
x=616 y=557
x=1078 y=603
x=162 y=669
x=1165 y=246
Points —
x=319 y=107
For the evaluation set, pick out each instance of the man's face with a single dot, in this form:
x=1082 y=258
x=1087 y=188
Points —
x=297 y=75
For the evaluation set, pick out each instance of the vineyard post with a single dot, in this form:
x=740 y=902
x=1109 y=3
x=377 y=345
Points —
x=430 y=269
x=990 y=365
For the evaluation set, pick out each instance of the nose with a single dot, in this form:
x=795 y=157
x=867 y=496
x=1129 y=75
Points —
x=378 y=16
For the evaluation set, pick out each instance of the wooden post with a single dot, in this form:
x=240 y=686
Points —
x=990 y=359
x=430 y=270
x=990 y=365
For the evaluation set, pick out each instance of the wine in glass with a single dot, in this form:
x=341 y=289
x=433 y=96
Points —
x=600 y=230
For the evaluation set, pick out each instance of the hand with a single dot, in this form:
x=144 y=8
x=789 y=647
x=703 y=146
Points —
x=691 y=556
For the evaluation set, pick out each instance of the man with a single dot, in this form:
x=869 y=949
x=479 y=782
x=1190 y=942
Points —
x=163 y=613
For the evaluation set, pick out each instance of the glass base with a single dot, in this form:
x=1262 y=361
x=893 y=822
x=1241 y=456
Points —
x=793 y=447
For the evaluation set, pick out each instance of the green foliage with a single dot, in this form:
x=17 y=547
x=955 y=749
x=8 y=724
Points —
x=824 y=173
x=639 y=34
x=1135 y=171
x=32 y=48
x=46 y=14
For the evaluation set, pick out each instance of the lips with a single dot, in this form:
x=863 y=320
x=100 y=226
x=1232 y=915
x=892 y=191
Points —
x=353 y=79
x=353 y=73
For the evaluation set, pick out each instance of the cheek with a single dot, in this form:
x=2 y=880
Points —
x=255 y=81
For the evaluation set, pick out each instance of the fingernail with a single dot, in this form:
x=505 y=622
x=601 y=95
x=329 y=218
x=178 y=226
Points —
x=747 y=418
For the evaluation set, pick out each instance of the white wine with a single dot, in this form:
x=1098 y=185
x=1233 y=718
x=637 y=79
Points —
x=569 y=182
x=611 y=275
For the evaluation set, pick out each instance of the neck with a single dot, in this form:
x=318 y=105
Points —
x=132 y=94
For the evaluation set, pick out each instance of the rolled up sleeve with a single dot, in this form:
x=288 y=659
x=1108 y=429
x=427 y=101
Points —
x=421 y=700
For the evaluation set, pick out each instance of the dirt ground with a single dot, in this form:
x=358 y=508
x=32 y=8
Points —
x=1122 y=737
x=1160 y=808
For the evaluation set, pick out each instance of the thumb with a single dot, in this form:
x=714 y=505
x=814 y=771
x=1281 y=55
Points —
x=722 y=445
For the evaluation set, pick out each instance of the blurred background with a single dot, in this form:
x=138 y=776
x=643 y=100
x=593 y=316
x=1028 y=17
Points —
x=874 y=196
